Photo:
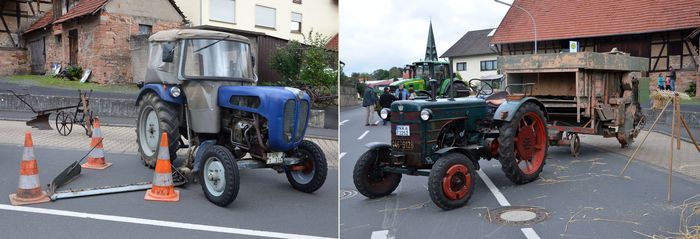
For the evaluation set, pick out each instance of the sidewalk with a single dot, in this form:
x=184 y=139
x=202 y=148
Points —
x=654 y=151
x=118 y=140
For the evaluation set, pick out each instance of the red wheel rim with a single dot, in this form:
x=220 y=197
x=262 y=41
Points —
x=308 y=166
x=456 y=182
x=530 y=143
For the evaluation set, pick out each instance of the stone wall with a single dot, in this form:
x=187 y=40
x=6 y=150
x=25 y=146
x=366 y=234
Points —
x=13 y=61
x=348 y=96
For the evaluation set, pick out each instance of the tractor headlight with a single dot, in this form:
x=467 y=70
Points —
x=384 y=113
x=425 y=114
x=175 y=91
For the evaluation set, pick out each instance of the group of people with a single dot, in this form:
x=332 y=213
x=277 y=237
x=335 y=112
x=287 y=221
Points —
x=668 y=82
x=370 y=100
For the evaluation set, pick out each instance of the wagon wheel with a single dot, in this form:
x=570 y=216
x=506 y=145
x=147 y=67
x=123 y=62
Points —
x=574 y=144
x=64 y=123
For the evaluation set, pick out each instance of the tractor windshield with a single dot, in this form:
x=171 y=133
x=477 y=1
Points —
x=220 y=58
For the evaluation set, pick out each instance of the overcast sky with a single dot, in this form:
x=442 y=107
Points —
x=379 y=34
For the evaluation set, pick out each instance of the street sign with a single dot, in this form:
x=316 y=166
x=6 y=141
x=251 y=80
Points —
x=573 y=46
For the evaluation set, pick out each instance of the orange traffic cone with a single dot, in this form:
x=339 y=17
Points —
x=162 y=188
x=29 y=189
x=96 y=158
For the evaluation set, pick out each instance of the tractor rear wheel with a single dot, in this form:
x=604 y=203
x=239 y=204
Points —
x=523 y=144
x=314 y=168
x=369 y=178
x=451 y=181
x=156 y=116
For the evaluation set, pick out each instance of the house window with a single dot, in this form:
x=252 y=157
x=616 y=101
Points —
x=145 y=29
x=265 y=17
x=488 y=65
x=296 y=22
x=461 y=66
x=222 y=10
x=58 y=39
x=296 y=1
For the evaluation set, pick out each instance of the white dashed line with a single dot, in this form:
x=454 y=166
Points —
x=363 y=135
x=142 y=221
x=529 y=232
x=384 y=234
x=343 y=122
x=377 y=122
x=342 y=155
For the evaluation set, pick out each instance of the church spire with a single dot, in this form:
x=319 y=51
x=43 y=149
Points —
x=430 y=49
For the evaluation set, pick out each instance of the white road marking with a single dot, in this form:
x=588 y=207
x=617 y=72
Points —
x=341 y=155
x=363 y=135
x=343 y=122
x=142 y=221
x=377 y=122
x=492 y=187
x=384 y=234
x=529 y=232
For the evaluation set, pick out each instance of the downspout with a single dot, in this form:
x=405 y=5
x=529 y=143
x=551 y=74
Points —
x=201 y=12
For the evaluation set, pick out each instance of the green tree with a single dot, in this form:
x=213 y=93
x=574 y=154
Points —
x=380 y=74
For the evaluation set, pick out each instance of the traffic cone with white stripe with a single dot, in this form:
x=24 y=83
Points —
x=96 y=158
x=162 y=187
x=29 y=189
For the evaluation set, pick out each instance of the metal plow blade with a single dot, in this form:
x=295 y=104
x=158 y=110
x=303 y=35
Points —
x=69 y=174
x=41 y=121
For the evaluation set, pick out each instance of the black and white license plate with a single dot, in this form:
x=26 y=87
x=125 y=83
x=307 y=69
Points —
x=403 y=130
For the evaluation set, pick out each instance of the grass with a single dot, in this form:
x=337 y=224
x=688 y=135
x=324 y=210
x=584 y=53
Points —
x=54 y=82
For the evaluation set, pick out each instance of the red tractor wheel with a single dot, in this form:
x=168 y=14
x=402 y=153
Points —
x=523 y=144
x=451 y=181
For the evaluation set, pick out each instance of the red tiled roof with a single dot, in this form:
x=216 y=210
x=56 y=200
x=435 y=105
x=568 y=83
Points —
x=84 y=7
x=333 y=43
x=558 y=19
x=41 y=22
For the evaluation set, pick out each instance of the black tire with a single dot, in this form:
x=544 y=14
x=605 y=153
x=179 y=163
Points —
x=231 y=176
x=510 y=162
x=312 y=177
x=169 y=121
x=460 y=181
x=369 y=178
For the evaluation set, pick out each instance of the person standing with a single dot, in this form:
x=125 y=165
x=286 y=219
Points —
x=369 y=99
x=401 y=93
x=411 y=93
x=672 y=76
x=660 y=81
x=668 y=82
x=385 y=100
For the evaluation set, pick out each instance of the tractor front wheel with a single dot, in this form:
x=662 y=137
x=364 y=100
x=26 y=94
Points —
x=523 y=144
x=219 y=175
x=311 y=174
x=451 y=181
x=369 y=178
x=156 y=116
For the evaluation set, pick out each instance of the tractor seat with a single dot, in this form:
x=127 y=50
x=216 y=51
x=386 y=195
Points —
x=497 y=98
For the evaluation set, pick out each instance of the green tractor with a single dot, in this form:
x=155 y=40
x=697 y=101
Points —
x=418 y=74
x=445 y=138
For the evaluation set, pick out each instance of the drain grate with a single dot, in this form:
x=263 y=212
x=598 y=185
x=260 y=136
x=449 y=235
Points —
x=516 y=215
x=346 y=194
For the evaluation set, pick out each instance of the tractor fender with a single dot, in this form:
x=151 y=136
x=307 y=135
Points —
x=377 y=146
x=163 y=91
x=506 y=111
x=464 y=151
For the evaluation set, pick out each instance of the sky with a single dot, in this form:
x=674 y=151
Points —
x=380 y=34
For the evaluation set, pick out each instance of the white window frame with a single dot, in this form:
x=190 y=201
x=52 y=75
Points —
x=219 y=13
x=274 y=17
x=301 y=20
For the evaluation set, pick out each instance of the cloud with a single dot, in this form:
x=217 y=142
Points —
x=379 y=34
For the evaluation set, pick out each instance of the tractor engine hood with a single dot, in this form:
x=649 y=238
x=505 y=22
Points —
x=286 y=110
x=439 y=104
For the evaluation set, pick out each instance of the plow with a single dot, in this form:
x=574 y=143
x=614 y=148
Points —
x=66 y=116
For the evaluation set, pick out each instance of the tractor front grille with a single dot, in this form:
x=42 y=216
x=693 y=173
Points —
x=295 y=109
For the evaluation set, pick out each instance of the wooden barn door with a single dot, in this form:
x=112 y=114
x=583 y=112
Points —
x=38 y=53
x=73 y=46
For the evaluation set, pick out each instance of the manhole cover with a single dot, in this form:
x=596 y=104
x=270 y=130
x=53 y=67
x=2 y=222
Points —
x=516 y=215
x=345 y=194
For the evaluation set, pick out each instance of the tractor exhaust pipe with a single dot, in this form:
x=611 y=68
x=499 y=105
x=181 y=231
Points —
x=433 y=89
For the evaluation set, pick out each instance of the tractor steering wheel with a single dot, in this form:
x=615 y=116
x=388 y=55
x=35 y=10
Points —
x=479 y=90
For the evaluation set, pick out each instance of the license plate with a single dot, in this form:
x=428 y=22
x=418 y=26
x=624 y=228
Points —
x=403 y=130
x=275 y=158
x=402 y=144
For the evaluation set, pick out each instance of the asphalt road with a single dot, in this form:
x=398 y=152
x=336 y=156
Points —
x=584 y=197
x=266 y=205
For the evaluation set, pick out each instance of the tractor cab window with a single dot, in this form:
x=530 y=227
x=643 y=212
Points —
x=423 y=71
x=440 y=72
x=216 y=58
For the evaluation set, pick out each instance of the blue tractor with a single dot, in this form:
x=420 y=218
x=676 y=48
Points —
x=200 y=88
